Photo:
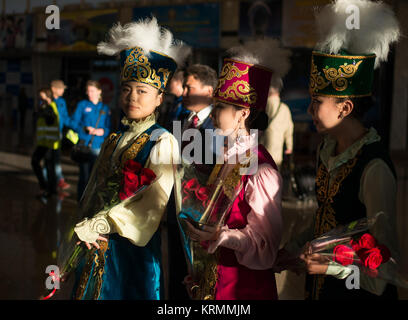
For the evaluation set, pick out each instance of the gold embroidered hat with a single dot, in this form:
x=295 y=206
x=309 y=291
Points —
x=148 y=52
x=341 y=75
x=246 y=77
x=345 y=57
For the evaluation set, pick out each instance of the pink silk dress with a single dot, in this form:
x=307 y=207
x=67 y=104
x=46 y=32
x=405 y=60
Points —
x=249 y=242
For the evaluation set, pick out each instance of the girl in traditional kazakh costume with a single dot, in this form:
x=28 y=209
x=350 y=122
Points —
x=355 y=176
x=246 y=246
x=124 y=260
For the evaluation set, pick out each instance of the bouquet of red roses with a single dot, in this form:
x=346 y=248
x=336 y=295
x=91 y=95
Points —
x=203 y=196
x=122 y=187
x=353 y=244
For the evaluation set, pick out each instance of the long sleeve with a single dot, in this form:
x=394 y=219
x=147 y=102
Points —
x=288 y=134
x=256 y=246
x=107 y=123
x=378 y=193
x=76 y=119
x=139 y=220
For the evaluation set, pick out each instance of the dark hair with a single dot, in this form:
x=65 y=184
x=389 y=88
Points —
x=206 y=75
x=179 y=75
x=46 y=91
x=361 y=105
x=257 y=119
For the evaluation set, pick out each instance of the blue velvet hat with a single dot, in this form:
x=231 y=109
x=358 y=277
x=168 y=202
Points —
x=148 y=52
x=154 y=69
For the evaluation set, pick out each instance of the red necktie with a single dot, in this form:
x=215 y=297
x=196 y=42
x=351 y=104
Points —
x=193 y=125
x=194 y=122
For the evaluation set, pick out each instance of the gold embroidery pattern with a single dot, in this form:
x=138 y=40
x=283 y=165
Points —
x=204 y=288
x=112 y=141
x=229 y=72
x=137 y=67
x=339 y=77
x=95 y=259
x=99 y=268
x=86 y=272
x=240 y=90
x=134 y=149
x=325 y=214
x=317 y=81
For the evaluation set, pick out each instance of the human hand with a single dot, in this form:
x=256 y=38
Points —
x=315 y=262
x=95 y=244
x=206 y=233
x=98 y=132
x=189 y=283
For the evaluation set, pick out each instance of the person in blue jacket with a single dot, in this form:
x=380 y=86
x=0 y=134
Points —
x=58 y=87
x=91 y=132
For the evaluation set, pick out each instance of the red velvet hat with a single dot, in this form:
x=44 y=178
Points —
x=246 y=76
x=243 y=84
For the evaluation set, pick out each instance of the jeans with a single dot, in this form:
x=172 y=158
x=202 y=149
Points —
x=85 y=170
x=50 y=157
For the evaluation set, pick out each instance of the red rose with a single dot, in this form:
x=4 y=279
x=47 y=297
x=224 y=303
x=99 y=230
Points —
x=146 y=176
x=129 y=186
x=385 y=252
x=202 y=193
x=355 y=245
x=132 y=166
x=367 y=241
x=371 y=258
x=191 y=185
x=123 y=196
x=343 y=255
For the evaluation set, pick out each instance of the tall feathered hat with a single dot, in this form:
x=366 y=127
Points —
x=346 y=55
x=246 y=76
x=148 y=52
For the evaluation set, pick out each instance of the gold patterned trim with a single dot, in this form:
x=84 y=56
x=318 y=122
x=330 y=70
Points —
x=240 y=90
x=230 y=71
x=233 y=103
x=338 y=78
x=351 y=57
x=317 y=82
x=137 y=62
x=86 y=273
x=312 y=92
x=325 y=215
x=134 y=149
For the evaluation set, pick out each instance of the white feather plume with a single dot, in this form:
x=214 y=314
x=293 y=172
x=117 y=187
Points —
x=265 y=52
x=146 y=34
x=378 y=28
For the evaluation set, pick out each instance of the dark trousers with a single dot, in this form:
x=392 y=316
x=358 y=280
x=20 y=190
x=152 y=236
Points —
x=50 y=157
x=176 y=258
x=85 y=169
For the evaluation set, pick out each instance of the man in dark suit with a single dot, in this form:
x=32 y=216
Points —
x=200 y=82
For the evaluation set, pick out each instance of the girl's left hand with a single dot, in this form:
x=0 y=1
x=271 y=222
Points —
x=98 y=132
x=207 y=233
x=315 y=263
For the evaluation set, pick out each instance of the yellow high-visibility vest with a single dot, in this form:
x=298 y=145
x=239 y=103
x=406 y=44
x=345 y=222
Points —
x=49 y=135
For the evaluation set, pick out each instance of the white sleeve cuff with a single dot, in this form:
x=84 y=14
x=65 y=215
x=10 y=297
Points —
x=89 y=230
x=338 y=271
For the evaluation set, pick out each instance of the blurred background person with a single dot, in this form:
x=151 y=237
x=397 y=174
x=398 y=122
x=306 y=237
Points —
x=92 y=121
x=199 y=84
x=58 y=88
x=173 y=107
x=278 y=136
x=48 y=144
